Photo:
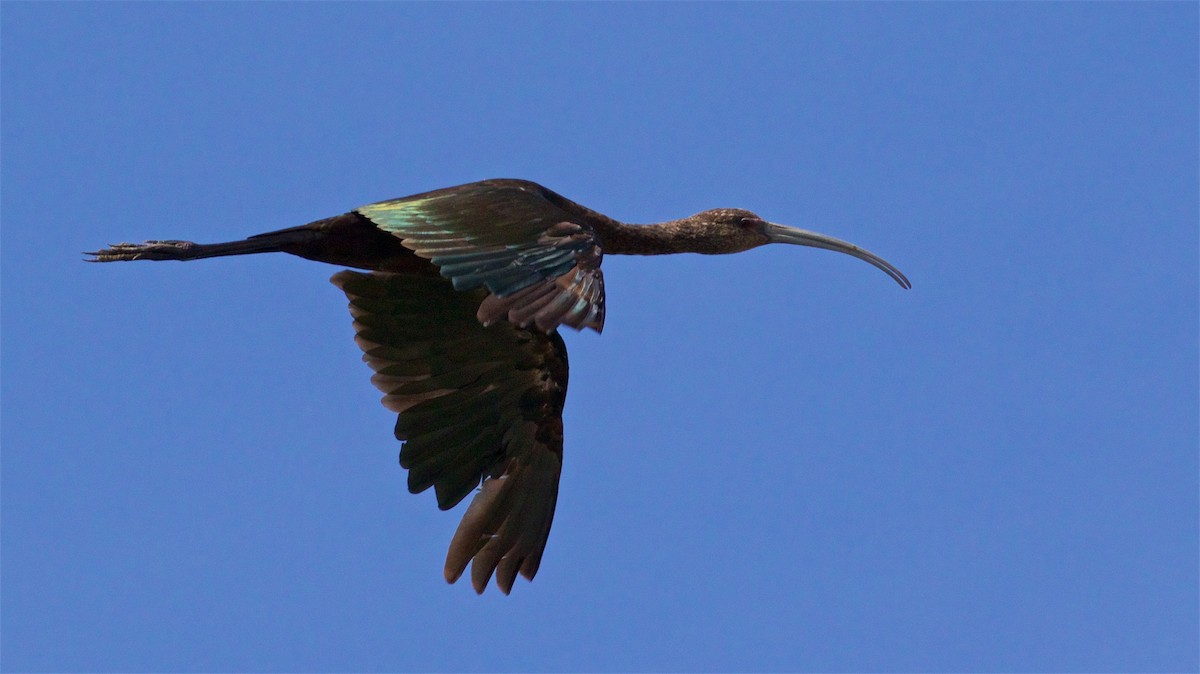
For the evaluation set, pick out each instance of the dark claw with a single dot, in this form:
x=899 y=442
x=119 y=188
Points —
x=150 y=250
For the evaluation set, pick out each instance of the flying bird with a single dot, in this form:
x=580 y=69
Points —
x=458 y=318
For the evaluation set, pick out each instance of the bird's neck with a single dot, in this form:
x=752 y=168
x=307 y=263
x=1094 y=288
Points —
x=658 y=239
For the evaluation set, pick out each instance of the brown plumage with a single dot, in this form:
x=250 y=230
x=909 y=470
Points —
x=459 y=320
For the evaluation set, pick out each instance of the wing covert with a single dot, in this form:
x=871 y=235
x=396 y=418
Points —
x=539 y=263
x=476 y=405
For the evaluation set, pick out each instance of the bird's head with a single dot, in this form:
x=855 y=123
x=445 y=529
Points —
x=732 y=230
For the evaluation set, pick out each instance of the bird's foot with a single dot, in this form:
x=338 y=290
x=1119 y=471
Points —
x=150 y=250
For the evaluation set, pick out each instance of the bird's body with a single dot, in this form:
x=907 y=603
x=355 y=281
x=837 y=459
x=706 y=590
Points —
x=458 y=319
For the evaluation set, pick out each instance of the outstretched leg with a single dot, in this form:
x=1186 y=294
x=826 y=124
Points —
x=186 y=250
x=350 y=240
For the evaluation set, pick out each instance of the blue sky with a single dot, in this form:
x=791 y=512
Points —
x=776 y=460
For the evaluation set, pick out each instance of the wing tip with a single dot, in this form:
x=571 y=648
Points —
x=479 y=581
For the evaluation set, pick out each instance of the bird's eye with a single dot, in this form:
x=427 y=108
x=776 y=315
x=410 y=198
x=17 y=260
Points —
x=750 y=223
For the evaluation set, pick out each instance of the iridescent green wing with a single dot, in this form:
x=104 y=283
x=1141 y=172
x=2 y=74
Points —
x=539 y=263
x=476 y=405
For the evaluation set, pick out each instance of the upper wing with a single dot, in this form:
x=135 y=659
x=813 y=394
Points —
x=475 y=403
x=540 y=264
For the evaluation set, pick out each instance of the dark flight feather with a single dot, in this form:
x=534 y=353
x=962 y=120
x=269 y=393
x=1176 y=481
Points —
x=478 y=407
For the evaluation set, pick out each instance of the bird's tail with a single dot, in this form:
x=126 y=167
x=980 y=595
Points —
x=186 y=250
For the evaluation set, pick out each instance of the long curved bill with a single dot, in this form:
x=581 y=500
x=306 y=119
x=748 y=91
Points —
x=800 y=237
